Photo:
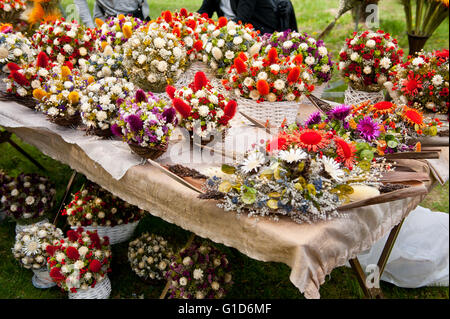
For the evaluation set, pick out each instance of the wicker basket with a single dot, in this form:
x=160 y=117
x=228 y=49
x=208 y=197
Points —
x=26 y=101
x=20 y=228
x=69 y=121
x=205 y=142
x=42 y=279
x=99 y=132
x=150 y=153
x=274 y=112
x=355 y=97
x=117 y=234
x=102 y=290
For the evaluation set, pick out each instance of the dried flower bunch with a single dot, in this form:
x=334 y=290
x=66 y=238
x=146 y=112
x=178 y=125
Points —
x=31 y=244
x=95 y=206
x=104 y=64
x=10 y=10
x=199 y=272
x=15 y=48
x=149 y=256
x=79 y=261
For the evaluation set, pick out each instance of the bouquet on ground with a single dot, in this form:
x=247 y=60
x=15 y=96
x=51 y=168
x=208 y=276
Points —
x=155 y=58
x=10 y=10
x=104 y=64
x=31 y=244
x=80 y=261
x=226 y=42
x=27 y=198
x=60 y=97
x=423 y=82
x=199 y=272
x=315 y=55
x=64 y=41
x=149 y=256
x=115 y=32
x=15 y=48
x=95 y=206
x=99 y=103
x=269 y=77
x=367 y=59
x=203 y=110
x=145 y=123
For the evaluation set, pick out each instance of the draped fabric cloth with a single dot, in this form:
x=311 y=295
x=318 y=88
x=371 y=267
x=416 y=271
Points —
x=311 y=250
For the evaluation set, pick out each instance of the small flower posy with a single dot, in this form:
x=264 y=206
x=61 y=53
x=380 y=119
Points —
x=15 y=48
x=102 y=65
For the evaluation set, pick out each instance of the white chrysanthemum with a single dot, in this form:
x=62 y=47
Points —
x=198 y=274
x=248 y=81
x=371 y=43
x=279 y=84
x=31 y=246
x=323 y=51
x=262 y=76
x=325 y=68
x=275 y=67
x=253 y=162
x=367 y=69
x=183 y=281
x=83 y=250
x=290 y=97
x=29 y=200
x=142 y=59
x=101 y=116
x=288 y=44
x=162 y=66
x=217 y=53
x=215 y=285
x=385 y=63
x=229 y=55
x=60 y=256
x=437 y=80
x=293 y=155
x=271 y=97
x=417 y=61
x=78 y=265
x=159 y=43
x=354 y=56
x=203 y=110
x=310 y=60
x=303 y=46
x=333 y=169
x=254 y=95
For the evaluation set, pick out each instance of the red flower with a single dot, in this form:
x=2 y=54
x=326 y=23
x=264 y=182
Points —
x=20 y=78
x=222 y=22
x=72 y=253
x=240 y=65
x=412 y=84
x=167 y=15
x=242 y=56
x=183 y=12
x=230 y=109
x=345 y=151
x=263 y=87
x=72 y=235
x=198 y=45
x=298 y=59
x=13 y=67
x=293 y=75
x=200 y=81
x=181 y=107
x=170 y=90
x=273 y=56
x=95 y=266
x=276 y=144
x=51 y=250
x=56 y=274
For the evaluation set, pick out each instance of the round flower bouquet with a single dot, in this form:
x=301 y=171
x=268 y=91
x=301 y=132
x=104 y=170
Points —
x=99 y=104
x=15 y=48
x=64 y=41
x=10 y=10
x=226 y=42
x=149 y=256
x=102 y=65
x=115 y=32
x=315 y=55
x=204 y=111
x=22 y=81
x=30 y=251
x=79 y=264
x=155 y=58
x=60 y=98
x=365 y=63
x=96 y=209
x=423 y=82
x=262 y=80
x=27 y=199
x=145 y=123
x=199 y=272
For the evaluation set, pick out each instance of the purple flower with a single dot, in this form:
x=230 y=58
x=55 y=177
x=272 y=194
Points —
x=135 y=122
x=141 y=96
x=313 y=119
x=115 y=129
x=169 y=114
x=340 y=112
x=368 y=129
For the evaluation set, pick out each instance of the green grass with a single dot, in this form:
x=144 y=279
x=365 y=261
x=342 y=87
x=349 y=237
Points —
x=253 y=279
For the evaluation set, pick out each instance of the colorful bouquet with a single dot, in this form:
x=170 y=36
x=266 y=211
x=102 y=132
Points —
x=64 y=41
x=149 y=256
x=31 y=244
x=203 y=110
x=315 y=54
x=27 y=198
x=15 y=48
x=423 y=82
x=95 y=206
x=10 y=10
x=145 y=123
x=270 y=78
x=115 y=32
x=98 y=103
x=155 y=58
x=60 y=98
x=102 y=65
x=226 y=42
x=367 y=58
x=199 y=272
x=80 y=261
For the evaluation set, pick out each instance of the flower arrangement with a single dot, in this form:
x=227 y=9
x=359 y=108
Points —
x=80 y=261
x=367 y=58
x=60 y=97
x=226 y=42
x=95 y=206
x=423 y=81
x=64 y=41
x=149 y=256
x=268 y=77
x=15 y=48
x=203 y=110
x=98 y=103
x=31 y=243
x=10 y=10
x=27 y=198
x=199 y=272
x=145 y=123
x=106 y=64
x=315 y=54
x=155 y=57
x=115 y=32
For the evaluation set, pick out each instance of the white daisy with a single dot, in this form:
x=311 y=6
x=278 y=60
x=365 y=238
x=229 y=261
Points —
x=293 y=155
x=332 y=168
x=31 y=246
x=253 y=161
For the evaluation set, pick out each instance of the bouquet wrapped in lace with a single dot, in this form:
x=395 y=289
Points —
x=15 y=48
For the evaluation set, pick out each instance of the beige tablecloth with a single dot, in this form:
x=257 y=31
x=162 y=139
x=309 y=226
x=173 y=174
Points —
x=312 y=251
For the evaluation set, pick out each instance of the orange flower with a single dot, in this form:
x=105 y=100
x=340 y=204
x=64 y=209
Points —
x=99 y=22
x=263 y=87
x=418 y=147
x=127 y=31
x=413 y=116
x=65 y=71
x=312 y=140
x=39 y=94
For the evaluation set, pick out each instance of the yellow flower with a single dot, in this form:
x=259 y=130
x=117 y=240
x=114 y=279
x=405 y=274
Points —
x=39 y=94
x=99 y=22
x=91 y=79
x=127 y=31
x=65 y=71
x=74 y=97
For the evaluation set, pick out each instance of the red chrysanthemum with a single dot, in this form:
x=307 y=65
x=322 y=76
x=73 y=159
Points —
x=51 y=250
x=140 y=96
x=230 y=109
x=183 y=12
x=346 y=152
x=242 y=56
x=72 y=253
x=273 y=56
x=177 y=32
x=412 y=116
x=240 y=65
x=200 y=81
x=56 y=274
x=263 y=87
x=95 y=266
x=294 y=74
x=198 y=45
x=181 y=107
x=310 y=139
x=167 y=15
x=170 y=90
x=222 y=22
x=298 y=59
x=72 y=235
x=412 y=84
